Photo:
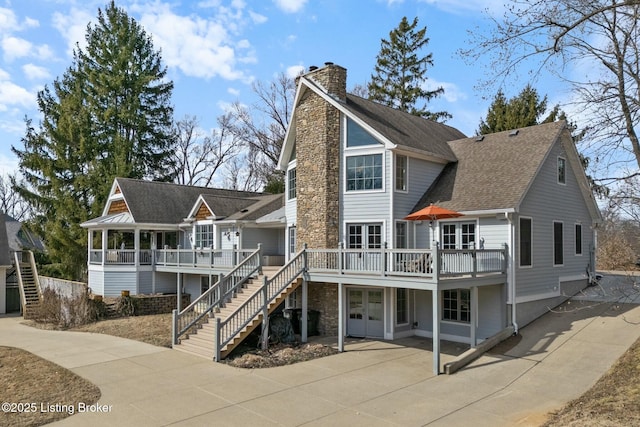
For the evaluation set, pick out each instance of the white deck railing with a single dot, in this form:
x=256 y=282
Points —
x=382 y=262
x=407 y=262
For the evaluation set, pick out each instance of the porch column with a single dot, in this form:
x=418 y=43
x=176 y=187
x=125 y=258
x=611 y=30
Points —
x=435 y=301
x=340 y=317
x=474 y=315
x=89 y=245
x=136 y=246
x=305 y=315
x=105 y=243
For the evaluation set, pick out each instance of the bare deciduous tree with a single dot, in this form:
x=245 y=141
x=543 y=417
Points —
x=262 y=127
x=199 y=157
x=599 y=41
x=10 y=201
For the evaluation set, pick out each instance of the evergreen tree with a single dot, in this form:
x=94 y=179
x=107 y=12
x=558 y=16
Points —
x=108 y=116
x=522 y=110
x=400 y=72
x=526 y=109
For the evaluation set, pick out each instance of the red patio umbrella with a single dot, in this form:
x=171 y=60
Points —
x=432 y=213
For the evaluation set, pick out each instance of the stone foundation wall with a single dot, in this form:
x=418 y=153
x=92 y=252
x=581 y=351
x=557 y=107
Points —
x=158 y=304
x=324 y=298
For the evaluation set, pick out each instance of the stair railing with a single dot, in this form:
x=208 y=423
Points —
x=228 y=329
x=218 y=294
x=34 y=271
x=18 y=260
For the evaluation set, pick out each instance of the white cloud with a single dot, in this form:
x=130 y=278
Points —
x=204 y=47
x=290 y=6
x=452 y=92
x=8 y=165
x=72 y=26
x=294 y=71
x=12 y=95
x=8 y=21
x=233 y=91
x=257 y=18
x=34 y=72
x=15 y=47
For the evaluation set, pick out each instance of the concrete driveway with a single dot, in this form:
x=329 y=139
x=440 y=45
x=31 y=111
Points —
x=554 y=360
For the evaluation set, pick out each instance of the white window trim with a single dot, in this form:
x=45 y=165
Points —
x=553 y=243
x=575 y=248
x=395 y=306
x=519 y=237
x=395 y=175
x=345 y=120
x=565 y=170
x=364 y=152
x=347 y=223
x=213 y=230
x=292 y=165
x=395 y=236
x=455 y=322
x=458 y=222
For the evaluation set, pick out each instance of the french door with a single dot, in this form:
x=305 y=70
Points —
x=366 y=314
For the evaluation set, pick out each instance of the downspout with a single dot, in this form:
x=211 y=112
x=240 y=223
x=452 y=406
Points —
x=511 y=270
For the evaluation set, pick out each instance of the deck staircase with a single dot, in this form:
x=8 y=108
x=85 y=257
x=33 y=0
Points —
x=233 y=311
x=28 y=282
x=201 y=341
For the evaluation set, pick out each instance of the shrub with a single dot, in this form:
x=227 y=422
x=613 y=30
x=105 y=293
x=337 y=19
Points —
x=66 y=312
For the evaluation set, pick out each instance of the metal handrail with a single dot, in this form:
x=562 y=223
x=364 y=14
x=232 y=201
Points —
x=228 y=329
x=218 y=293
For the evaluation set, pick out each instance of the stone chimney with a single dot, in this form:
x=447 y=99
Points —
x=331 y=77
x=318 y=159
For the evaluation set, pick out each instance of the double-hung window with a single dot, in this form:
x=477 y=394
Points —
x=401 y=172
x=562 y=170
x=291 y=184
x=558 y=243
x=402 y=306
x=526 y=243
x=578 y=239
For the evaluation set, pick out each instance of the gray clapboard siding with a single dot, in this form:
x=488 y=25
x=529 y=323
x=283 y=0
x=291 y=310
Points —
x=117 y=281
x=491 y=312
x=145 y=284
x=494 y=231
x=546 y=202
x=367 y=206
x=166 y=282
x=421 y=174
x=96 y=278
x=272 y=240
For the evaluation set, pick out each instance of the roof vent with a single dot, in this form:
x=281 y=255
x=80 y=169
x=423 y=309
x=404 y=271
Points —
x=479 y=138
x=328 y=63
x=313 y=68
x=514 y=132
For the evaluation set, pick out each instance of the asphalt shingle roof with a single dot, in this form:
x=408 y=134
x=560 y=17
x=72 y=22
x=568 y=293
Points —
x=493 y=173
x=167 y=203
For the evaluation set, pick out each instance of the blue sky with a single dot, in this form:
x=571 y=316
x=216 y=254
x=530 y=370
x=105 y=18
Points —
x=214 y=49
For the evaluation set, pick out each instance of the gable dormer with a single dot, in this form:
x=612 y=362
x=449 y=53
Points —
x=116 y=202
x=201 y=210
